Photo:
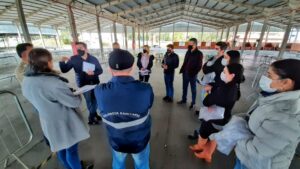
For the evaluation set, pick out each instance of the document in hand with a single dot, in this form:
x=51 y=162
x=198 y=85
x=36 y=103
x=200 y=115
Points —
x=84 y=89
x=88 y=67
x=212 y=113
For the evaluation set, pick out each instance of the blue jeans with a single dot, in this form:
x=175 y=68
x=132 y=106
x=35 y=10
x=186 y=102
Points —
x=91 y=104
x=141 y=159
x=69 y=157
x=186 y=79
x=239 y=165
x=169 y=78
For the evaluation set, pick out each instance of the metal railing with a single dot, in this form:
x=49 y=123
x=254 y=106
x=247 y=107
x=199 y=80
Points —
x=11 y=151
x=264 y=63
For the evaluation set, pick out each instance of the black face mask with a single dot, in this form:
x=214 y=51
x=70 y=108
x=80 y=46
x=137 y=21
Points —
x=190 y=47
x=169 y=51
x=80 y=52
x=144 y=51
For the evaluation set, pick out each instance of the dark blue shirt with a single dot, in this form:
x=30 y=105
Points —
x=82 y=78
x=124 y=105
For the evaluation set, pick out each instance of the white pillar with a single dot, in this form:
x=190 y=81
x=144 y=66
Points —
x=41 y=36
x=115 y=31
x=296 y=36
x=100 y=35
x=286 y=35
x=72 y=23
x=187 y=31
x=139 y=36
x=227 y=33
x=202 y=33
x=57 y=38
x=262 y=34
x=222 y=35
x=159 y=36
x=245 y=37
x=234 y=36
x=125 y=37
x=173 y=31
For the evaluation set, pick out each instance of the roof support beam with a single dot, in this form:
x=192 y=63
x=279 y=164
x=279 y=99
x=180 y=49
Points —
x=140 y=8
x=241 y=4
x=23 y=21
x=178 y=18
x=182 y=14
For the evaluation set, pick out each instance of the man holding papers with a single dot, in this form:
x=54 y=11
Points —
x=87 y=70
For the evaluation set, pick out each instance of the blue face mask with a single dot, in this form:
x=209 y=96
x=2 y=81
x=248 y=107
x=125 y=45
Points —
x=224 y=62
x=265 y=84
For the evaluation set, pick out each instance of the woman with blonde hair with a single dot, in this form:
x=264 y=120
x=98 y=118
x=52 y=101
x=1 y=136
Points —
x=145 y=63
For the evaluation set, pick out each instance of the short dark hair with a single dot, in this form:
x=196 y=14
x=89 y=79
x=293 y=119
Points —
x=170 y=46
x=222 y=45
x=38 y=60
x=235 y=56
x=81 y=43
x=194 y=40
x=288 y=68
x=20 y=48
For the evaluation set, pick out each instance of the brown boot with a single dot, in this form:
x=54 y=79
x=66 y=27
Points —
x=200 y=145
x=208 y=151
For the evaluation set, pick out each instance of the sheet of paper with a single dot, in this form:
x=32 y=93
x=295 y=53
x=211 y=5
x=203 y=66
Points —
x=214 y=113
x=84 y=89
x=88 y=67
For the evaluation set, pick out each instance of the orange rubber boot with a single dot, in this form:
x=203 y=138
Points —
x=200 y=145
x=208 y=151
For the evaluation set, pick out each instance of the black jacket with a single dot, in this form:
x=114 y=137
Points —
x=172 y=61
x=192 y=62
x=139 y=63
x=218 y=68
x=224 y=96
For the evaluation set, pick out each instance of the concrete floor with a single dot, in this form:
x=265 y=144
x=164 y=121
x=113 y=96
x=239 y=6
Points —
x=171 y=125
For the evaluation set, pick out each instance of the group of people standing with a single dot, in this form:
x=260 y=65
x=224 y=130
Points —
x=124 y=103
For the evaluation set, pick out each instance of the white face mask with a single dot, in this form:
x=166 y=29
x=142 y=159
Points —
x=224 y=62
x=265 y=84
x=223 y=77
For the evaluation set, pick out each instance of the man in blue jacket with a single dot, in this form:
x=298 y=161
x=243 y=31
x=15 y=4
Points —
x=124 y=105
x=85 y=75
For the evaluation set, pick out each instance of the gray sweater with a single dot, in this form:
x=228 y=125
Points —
x=61 y=122
x=275 y=124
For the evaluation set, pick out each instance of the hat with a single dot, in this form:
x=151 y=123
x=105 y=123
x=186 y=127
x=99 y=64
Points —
x=120 y=59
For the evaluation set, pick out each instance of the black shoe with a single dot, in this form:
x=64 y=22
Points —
x=170 y=100
x=197 y=112
x=86 y=165
x=94 y=122
x=191 y=106
x=181 y=102
x=98 y=117
x=193 y=136
x=165 y=98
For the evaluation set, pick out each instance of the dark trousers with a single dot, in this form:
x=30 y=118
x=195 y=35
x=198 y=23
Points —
x=207 y=129
x=169 y=78
x=144 y=78
x=91 y=104
x=186 y=79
